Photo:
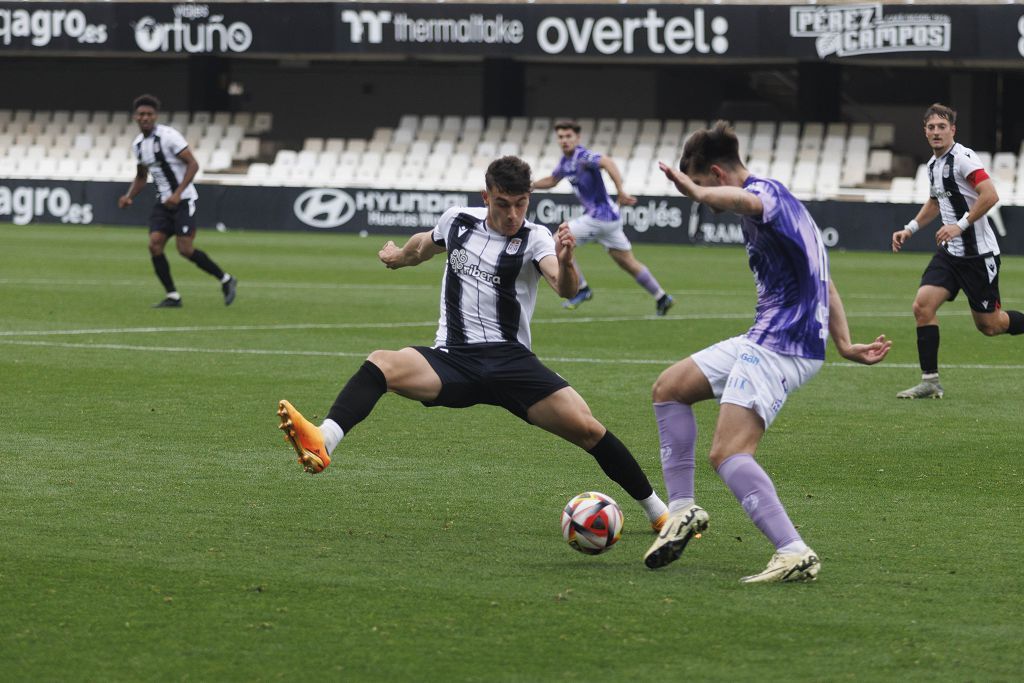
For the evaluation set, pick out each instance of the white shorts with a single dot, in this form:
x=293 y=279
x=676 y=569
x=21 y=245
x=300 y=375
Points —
x=608 y=233
x=747 y=374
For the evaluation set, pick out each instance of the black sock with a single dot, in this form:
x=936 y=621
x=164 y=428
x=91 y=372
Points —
x=621 y=467
x=1016 y=322
x=206 y=263
x=359 y=396
x=928 y=348
x=163 y=272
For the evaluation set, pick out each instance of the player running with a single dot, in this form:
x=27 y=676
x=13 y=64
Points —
x=601 y=220
x=162 y=151
x=968 y=256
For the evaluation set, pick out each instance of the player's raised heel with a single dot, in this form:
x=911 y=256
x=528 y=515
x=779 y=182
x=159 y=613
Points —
x=305 y=438
x=675 y=534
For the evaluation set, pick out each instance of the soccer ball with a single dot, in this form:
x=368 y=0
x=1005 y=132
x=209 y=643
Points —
x=591 y=523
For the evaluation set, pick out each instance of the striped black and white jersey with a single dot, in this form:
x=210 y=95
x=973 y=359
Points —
x=159 y=153
x=489 y=289
x=952 y=178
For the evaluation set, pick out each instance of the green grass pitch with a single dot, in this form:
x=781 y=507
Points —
x=155 y=526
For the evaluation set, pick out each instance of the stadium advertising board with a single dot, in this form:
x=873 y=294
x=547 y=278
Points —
x=578 y=31
x=674 y=219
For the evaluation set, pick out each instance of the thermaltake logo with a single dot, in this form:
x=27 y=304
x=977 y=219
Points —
x=851 y=30
x=23 y=204
x=368 y=26
x=675 y=35
x=186 y=34
x=324 y=208
x=41 y=26
x=366 y=22
x=458 y=261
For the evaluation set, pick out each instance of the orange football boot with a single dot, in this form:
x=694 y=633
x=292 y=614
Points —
x=305 y=438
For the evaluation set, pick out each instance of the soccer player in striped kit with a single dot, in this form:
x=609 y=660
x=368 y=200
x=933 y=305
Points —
x=968 y=255
x=601 y=220
x=481 y=352
x=162 y=151
x=751 y=375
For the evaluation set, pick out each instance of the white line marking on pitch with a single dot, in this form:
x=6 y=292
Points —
x=568 y=320
x=351 y=354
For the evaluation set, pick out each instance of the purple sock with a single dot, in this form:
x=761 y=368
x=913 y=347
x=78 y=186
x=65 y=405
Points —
x=756 y=493
x=677 y=432
x=647 y=281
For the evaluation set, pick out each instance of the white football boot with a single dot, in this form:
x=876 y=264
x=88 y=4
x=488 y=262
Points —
x=786 y=567
x=675 y=534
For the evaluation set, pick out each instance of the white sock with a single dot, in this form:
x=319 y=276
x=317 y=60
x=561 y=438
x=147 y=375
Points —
x=653 y=506
x=174 y=295
x=227 y=276
x=929 y=376
x=675 y=506
x=332 y=433
x=795 y=548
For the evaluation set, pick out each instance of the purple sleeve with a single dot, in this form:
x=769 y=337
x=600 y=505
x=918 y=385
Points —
x=769 y=199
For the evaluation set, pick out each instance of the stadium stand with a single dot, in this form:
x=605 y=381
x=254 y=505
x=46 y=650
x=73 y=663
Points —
x=818 y=160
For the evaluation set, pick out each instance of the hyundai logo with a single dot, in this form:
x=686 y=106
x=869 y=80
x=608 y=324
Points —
x=325 y=208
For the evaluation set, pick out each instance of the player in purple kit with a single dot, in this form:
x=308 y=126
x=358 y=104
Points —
x=601 y=220
x=798 y=307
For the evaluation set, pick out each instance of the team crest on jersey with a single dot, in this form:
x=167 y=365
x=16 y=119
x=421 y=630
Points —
x=513 y=246
x=945 y=171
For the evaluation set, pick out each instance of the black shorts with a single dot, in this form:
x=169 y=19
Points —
x=503 y=374
x=978 y=277
x=178 y=221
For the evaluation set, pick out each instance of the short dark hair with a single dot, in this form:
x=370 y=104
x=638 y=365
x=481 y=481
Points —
x=508 y=174
x=146 y=101
x=716 y=145
x=571 y=124
x=942 y=110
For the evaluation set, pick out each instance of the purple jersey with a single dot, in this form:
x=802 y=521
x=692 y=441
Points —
x=583 y=169
x=790 y=268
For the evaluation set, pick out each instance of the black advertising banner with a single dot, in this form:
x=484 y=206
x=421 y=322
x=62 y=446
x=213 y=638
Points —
x=672 y=220
x=669 y=32
x=167 y=28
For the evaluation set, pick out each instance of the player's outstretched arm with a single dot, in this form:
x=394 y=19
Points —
x=839 y=329
x=418 y=249
x=545 y=183
x=926 y=215
x=624 y=198
x=719 y=198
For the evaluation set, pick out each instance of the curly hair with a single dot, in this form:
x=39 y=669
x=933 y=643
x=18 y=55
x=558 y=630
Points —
x=145 y=101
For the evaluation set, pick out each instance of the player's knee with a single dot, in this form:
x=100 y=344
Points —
x=590 y=432
x=987 y=328
x=381 y=359
x=922 y=311
x=663 y=390
x=717 y=456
